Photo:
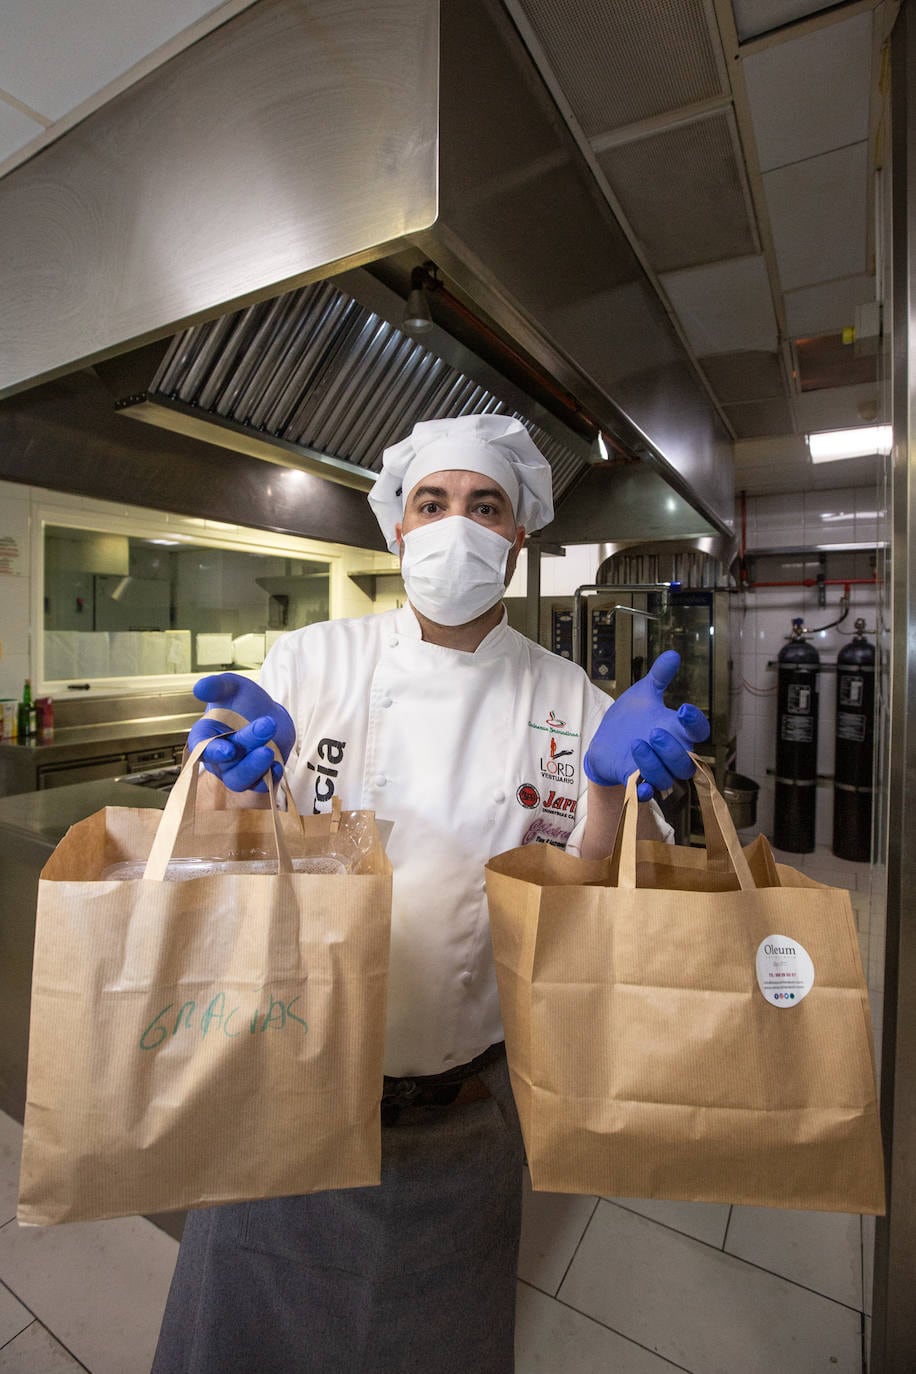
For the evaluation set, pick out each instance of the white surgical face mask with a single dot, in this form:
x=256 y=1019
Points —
x=454 y=569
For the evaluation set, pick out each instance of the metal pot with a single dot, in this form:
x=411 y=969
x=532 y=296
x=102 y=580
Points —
x=740 y=795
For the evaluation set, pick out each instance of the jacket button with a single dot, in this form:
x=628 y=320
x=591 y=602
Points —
x=385 y=701
x=393 y=643
x=499 y=797
x=467 y=977
x=380 y=780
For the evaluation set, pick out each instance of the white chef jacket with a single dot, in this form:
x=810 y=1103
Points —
x=468 y=754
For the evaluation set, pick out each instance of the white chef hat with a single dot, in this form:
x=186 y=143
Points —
x=496 y=445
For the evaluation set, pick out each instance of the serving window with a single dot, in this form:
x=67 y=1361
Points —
x=121 y=606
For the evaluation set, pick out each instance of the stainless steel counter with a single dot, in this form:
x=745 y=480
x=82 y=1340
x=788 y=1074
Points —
x=31 y=825
x=102 y=750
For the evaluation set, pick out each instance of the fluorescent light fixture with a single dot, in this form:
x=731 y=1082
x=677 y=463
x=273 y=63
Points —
x=833 y=444
x=854 y=515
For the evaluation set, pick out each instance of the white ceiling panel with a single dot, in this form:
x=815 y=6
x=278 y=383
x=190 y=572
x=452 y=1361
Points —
x=16 y=129
x=835 y=407
x=57 y=53
x=753 y=17
x=724 y=307
x=818 y=216
x=828 y=308
x=796 y=116
x=625 y=62
x=782 y=464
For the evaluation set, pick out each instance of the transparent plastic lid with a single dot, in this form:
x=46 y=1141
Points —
x=180 y=870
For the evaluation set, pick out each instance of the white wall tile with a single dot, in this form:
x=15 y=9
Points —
x=14 y=669
x=778 y=522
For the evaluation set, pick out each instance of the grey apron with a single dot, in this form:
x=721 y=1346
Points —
x=416 y=1275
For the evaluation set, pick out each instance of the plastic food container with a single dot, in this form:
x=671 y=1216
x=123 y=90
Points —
x=180 y=870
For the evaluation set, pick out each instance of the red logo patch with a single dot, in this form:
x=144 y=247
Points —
x=528 y=796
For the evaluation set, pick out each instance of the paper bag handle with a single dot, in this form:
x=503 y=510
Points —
x=178 y=813
x=722 y=844
x=234 y=721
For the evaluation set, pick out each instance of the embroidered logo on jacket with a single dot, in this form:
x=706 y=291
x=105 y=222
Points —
x=554 y=725
x=528 y=796
x=553 y=767
x=330 y=752
x=565 y=805
x=547 y=831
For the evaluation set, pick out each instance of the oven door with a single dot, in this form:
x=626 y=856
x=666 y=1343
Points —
x=81 y=770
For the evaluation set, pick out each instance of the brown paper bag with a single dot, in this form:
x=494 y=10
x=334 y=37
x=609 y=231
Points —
x=646 y=1058
x=204 y=1041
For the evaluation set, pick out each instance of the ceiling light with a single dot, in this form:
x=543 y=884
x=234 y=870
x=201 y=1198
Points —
x=599 y=449
x=417 y=319
x=833 y=444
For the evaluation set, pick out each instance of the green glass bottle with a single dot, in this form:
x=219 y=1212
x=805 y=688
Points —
x=26 y=713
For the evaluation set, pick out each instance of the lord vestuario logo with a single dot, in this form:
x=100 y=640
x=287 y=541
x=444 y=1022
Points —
x=558 y=766
x=528 y=796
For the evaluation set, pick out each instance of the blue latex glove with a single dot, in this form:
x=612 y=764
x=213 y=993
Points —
x=241 y=760
x=639 y=731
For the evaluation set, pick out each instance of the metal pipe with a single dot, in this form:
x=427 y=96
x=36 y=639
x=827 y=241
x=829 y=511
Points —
x=817 y=582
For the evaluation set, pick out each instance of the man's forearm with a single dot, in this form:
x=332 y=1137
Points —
x=602 y=819
x=604 y=807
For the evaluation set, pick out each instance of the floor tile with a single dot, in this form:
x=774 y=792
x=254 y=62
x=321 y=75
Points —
x=100 y=1287
x=863 y=948
x=552 y=1226
x=784 y=856
x=10 y=1150
x=703 y=1220
x=868 y=1262
x=13 y=1316
x=37 y=1352
x=861 y=909
x=820 y=1250
x=550 y=1337
x=701 y=1309
x=825 y=867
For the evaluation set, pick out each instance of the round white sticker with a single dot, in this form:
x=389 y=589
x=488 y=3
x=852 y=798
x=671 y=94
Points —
x=785 y=972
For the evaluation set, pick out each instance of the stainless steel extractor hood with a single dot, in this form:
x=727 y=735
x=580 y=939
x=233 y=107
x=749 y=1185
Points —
x=323 y=381
x=298 y=143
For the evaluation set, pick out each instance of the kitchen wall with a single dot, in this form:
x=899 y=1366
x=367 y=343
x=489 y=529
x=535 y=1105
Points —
x=786 y=537
x=23 y=509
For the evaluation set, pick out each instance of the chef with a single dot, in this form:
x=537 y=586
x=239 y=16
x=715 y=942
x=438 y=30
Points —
x=471 y=739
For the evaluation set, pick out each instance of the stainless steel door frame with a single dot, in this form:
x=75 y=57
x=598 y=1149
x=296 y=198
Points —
x=894 y=1312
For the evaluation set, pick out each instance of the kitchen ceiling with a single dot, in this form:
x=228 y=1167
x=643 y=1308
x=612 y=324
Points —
x=736 y=141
